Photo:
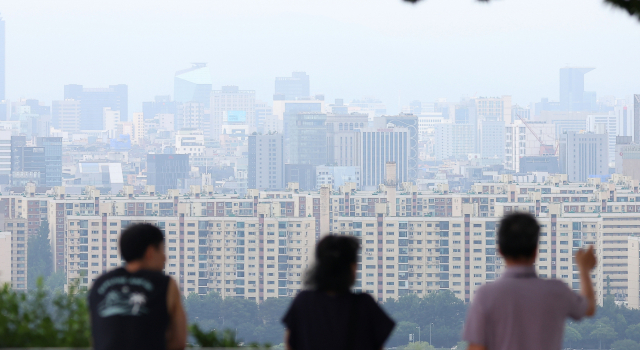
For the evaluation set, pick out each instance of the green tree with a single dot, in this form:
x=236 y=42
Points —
x=462 y=345
x=604 y=333
x=625 y=344
x=55 y=283
x=633 y=332
x=400 y=334
x=571 y=336
x=39 y=256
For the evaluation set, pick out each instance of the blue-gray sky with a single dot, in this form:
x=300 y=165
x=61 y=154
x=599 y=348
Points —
x=395 y=51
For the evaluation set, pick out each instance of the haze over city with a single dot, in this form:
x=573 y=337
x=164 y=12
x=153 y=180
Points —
x=387 y=49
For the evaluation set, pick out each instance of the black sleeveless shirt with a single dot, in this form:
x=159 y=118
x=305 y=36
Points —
x=129 y=310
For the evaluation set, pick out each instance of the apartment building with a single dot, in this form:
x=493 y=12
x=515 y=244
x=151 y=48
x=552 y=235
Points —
x=258 y=245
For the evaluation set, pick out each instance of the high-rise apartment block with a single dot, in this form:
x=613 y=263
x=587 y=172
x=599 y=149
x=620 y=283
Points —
x=413 y=242
x=583 y=155
x=294 y=87
x=266 y=162
x=94 y=100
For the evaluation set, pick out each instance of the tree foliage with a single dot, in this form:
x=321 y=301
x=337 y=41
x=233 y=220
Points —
x=252 y=322
x=631 y=6
x=39 y=256
x=40 y=319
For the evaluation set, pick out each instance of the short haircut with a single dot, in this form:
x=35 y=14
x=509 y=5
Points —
x=332 y=270
x=518 y=236
x=136 y=238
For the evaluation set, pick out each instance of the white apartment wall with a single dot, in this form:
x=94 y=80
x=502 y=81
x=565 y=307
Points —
x=5 y=258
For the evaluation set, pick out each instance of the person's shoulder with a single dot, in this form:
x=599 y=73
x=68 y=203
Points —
x=556 y=285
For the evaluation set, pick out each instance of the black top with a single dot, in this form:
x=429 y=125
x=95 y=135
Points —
x=320 y=321
x=129 y=310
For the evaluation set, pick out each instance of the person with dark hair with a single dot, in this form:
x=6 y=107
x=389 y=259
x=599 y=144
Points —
x=137 y=306
x=519 y=310
x=328 y=315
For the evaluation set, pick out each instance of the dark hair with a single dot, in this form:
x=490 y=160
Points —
x=135 y=240
x=332 y=269
x=518 y=236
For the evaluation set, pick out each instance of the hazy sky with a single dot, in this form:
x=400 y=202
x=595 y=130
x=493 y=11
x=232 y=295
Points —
x=395 y=51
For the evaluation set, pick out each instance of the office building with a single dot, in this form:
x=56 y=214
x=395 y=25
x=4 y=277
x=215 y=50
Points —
x=492 y=141
x=66 y=115
x=2 y=60
x=292 y=88
x=138 y=128
x=518 y=112
x=395 y=141
x=93 y=101
x=6 y=270
x=167 y=171
x=545 y=164
x=266 y=162
x=191 y=142
x=411 y=123
x=302 y=174
x=573 y=98
x=27 y=163
x=287 y=114
x=5 y=157
x=308 y=139
x=605 y=124
x=337 y=176
x=454 y=141
x=493 y=108
x=528 y=140
x=53 y=159
x=231 y=105
x=160 y=105
x=263 y=111
x=343 y=145
x=191 y=115
x=193 y=85
x=106 y=177
x=583 y=155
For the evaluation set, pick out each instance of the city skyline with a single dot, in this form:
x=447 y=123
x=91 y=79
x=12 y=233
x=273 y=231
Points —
x=502 y=63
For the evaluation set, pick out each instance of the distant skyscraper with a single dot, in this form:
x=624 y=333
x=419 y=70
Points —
x=2 y=66
x=193 y=84
x=582 y=155
x=266 y=162
x=572 y=94
x=161 y=105
x=454 y=141
x=492 y=141
x=65 y=115
x=343 y=134
x=636 y=119
x=411 y=123
x=27 y=163
x=93 y=102
x=395 y=142
x=293 y=87
x=167 y=171
x=53 y=159
x=190 y=115
x=308 y=142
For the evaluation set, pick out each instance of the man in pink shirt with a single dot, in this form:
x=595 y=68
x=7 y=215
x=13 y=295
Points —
x=519 y=310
